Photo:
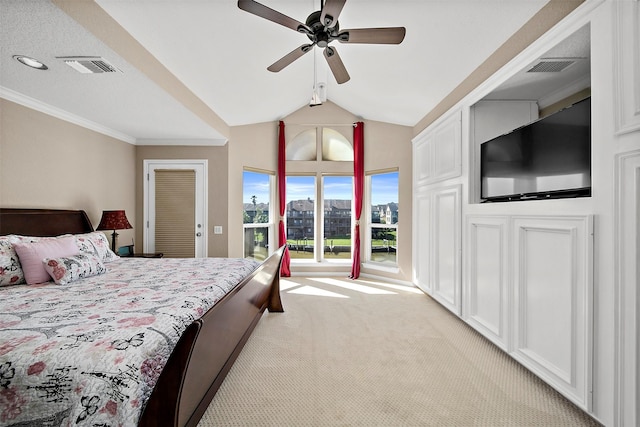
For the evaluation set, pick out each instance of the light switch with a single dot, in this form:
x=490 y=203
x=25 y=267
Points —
x=217 y=229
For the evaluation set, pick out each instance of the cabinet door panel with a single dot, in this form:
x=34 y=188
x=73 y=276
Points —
x=487 y=272
x=438 y=152
x=446 y=253
x=422 y=241
x=552 y=301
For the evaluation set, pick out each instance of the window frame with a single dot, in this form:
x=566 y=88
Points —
x=319 y=168
x=370 y=225
x=272 y=235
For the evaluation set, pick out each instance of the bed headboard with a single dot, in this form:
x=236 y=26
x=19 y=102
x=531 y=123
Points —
x=43 y=222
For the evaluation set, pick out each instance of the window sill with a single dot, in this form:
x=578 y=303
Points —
x=325 y=263
x=381 y=267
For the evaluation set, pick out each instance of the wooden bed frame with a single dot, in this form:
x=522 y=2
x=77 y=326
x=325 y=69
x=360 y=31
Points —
x=207 y=349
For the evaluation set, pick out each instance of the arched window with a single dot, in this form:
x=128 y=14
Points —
x=303 y=146
x=335 y=146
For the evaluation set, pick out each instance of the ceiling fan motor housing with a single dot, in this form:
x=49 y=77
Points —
x=320 y=35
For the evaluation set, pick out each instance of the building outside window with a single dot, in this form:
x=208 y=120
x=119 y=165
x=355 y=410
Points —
x=301 y=191
x=338 y=195
x=257 y=216
x=383 y=217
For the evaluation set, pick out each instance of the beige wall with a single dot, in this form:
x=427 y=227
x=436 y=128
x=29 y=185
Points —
x=46 y=162
x=50 y=163
x=386 y=146
x=218 y=189
x=255 y=146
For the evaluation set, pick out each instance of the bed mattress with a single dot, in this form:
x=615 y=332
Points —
x=90 y=352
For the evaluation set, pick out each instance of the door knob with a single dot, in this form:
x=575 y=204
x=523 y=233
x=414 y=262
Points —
x=198 y=234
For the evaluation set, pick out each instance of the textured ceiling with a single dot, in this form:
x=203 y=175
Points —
x=217 y=55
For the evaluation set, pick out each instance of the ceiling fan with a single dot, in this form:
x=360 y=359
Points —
x=322 y=27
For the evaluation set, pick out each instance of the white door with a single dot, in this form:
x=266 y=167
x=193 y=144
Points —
x=197 y=224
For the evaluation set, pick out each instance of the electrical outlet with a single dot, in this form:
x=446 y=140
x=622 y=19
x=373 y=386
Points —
x=217 y=229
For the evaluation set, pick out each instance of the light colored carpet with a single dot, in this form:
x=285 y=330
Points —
x=368 y=353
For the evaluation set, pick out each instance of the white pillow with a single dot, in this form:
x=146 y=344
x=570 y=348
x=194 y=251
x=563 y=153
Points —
x=65 y=270
x=96 y=243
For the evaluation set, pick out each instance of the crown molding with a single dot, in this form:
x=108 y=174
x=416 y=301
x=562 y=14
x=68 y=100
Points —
x=50 y=110
x=183 y=142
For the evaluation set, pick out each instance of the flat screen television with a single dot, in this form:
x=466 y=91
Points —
x=549 y=158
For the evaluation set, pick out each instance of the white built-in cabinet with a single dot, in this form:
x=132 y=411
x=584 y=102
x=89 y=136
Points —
x=437 y=244
x=437 y=154
x=437 y=213
x=529 y=290
x=627 y=210
x=524 y=282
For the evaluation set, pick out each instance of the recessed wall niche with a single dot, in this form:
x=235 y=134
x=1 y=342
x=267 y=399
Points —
x=555 y=80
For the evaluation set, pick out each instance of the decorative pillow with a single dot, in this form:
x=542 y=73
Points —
x=31 y=256
x=65 y=270
x=10 y=269
x=96 y=243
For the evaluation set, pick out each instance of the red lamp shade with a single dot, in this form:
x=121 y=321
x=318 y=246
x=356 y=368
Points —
x=113 y=220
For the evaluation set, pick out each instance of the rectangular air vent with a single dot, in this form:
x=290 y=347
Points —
x=552 y=65
x=89 y=64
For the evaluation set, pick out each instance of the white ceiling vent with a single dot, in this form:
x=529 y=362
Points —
x=552 y=65
x=89 y=64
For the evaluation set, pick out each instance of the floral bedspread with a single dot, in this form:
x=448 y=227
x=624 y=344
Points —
x=90 y=352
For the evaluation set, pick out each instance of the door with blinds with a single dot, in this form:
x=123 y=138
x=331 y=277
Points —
x=175 y=208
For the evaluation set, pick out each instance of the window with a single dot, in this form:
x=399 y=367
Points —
x=383 y=218
x=337 y=194
x=257 y=218
x=319 y=196
x=301 y=195
x=303 y=146
x=335 y=146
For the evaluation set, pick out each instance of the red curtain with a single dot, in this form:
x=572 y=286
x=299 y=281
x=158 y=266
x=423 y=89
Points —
x=282 y=182
x=358 y=178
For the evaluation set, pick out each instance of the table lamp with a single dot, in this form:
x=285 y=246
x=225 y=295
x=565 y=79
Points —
x=114 y=220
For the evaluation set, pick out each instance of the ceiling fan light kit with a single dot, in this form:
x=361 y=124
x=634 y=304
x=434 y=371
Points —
x=322 y=27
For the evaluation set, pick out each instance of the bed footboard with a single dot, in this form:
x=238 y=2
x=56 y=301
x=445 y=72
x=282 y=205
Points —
x=207 y=349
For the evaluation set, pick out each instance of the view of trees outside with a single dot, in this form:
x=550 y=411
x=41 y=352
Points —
x=256 y=190
x=384 y=217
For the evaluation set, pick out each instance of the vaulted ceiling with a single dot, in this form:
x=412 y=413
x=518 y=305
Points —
x=189 y=70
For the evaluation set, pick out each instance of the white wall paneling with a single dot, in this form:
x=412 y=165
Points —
x=627 y=65
x=626 y=284
x=437 y=152
x=552 y=301
x=487 y=284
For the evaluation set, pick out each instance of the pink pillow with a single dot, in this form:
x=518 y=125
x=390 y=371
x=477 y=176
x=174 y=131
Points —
x=32 y=254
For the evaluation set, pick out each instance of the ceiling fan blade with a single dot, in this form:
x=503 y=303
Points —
x=335 y=63
x=272 y=15
x=289 y=58
x=392 y=35
x=330 y=12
